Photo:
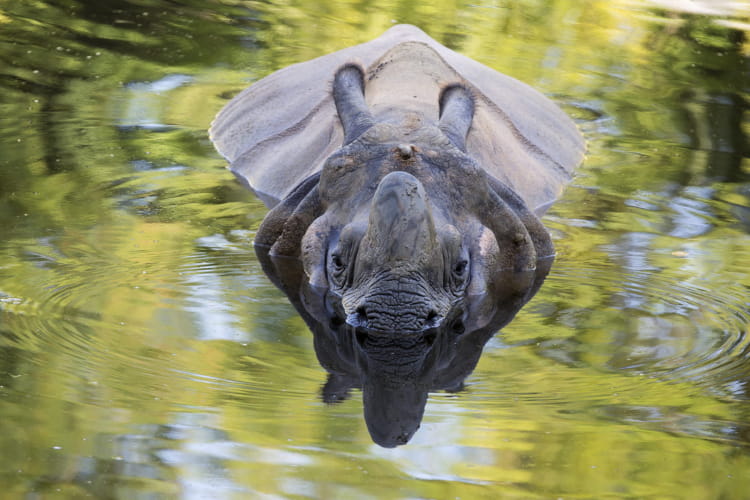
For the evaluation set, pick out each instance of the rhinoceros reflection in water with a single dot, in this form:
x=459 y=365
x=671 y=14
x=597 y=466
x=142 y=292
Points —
x=396 y=371
x=406 y=178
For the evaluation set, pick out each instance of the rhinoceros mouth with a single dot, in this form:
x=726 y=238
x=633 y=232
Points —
x=397 y=341
x=406 y=304
x=406 y=319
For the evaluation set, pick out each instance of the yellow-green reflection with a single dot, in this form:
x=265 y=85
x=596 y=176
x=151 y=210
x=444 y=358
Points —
x=143 y=353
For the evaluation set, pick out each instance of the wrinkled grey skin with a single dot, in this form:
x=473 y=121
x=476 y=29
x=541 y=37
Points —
x=406 y=200
x=396 y=372
x=401 y=223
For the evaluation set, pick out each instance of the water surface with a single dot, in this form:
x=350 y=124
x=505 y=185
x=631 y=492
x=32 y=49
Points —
x=144 y=354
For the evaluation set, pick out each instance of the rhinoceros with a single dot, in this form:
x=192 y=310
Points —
x=404 y=175
x=408 y=181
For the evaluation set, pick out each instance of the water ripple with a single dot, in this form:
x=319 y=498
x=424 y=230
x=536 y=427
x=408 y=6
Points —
x=654 y=322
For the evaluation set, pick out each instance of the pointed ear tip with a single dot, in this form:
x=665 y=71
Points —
x=455 y=86
x=354 y=65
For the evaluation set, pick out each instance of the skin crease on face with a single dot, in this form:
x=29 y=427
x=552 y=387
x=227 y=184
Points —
x=402 y=223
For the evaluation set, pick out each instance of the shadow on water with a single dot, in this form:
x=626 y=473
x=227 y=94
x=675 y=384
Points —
x=396 y=371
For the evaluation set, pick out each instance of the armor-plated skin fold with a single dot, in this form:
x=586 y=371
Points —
x=281 y=130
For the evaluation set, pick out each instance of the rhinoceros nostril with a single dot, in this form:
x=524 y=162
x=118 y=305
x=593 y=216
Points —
x=358 y=318
x=361 y=313
x=431 y=317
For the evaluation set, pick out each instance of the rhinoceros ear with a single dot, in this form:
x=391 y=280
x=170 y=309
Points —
x=456 y=114
x=285 y=225
x=349 y=96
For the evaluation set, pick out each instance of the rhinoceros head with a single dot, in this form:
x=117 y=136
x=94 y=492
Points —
x=401 y=223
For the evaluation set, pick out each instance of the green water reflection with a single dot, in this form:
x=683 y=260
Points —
x=144 y=354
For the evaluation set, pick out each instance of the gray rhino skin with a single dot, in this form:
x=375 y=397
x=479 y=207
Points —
x=404 y=175
x=395 y=374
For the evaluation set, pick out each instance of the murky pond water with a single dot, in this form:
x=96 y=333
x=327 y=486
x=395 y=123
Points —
x=144 y=354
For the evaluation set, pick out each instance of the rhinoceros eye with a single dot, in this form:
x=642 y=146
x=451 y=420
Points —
x=337 y=269
x=460 y=268
x=342 y=256
x=459 y=275
x=337 y=262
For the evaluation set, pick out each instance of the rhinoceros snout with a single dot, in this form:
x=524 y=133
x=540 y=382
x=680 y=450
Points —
x=399 y=261
x=407 y=318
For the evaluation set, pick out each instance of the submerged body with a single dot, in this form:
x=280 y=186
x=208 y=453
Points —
x=406 y=178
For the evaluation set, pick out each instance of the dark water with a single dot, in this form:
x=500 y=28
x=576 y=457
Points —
x=143 y=353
